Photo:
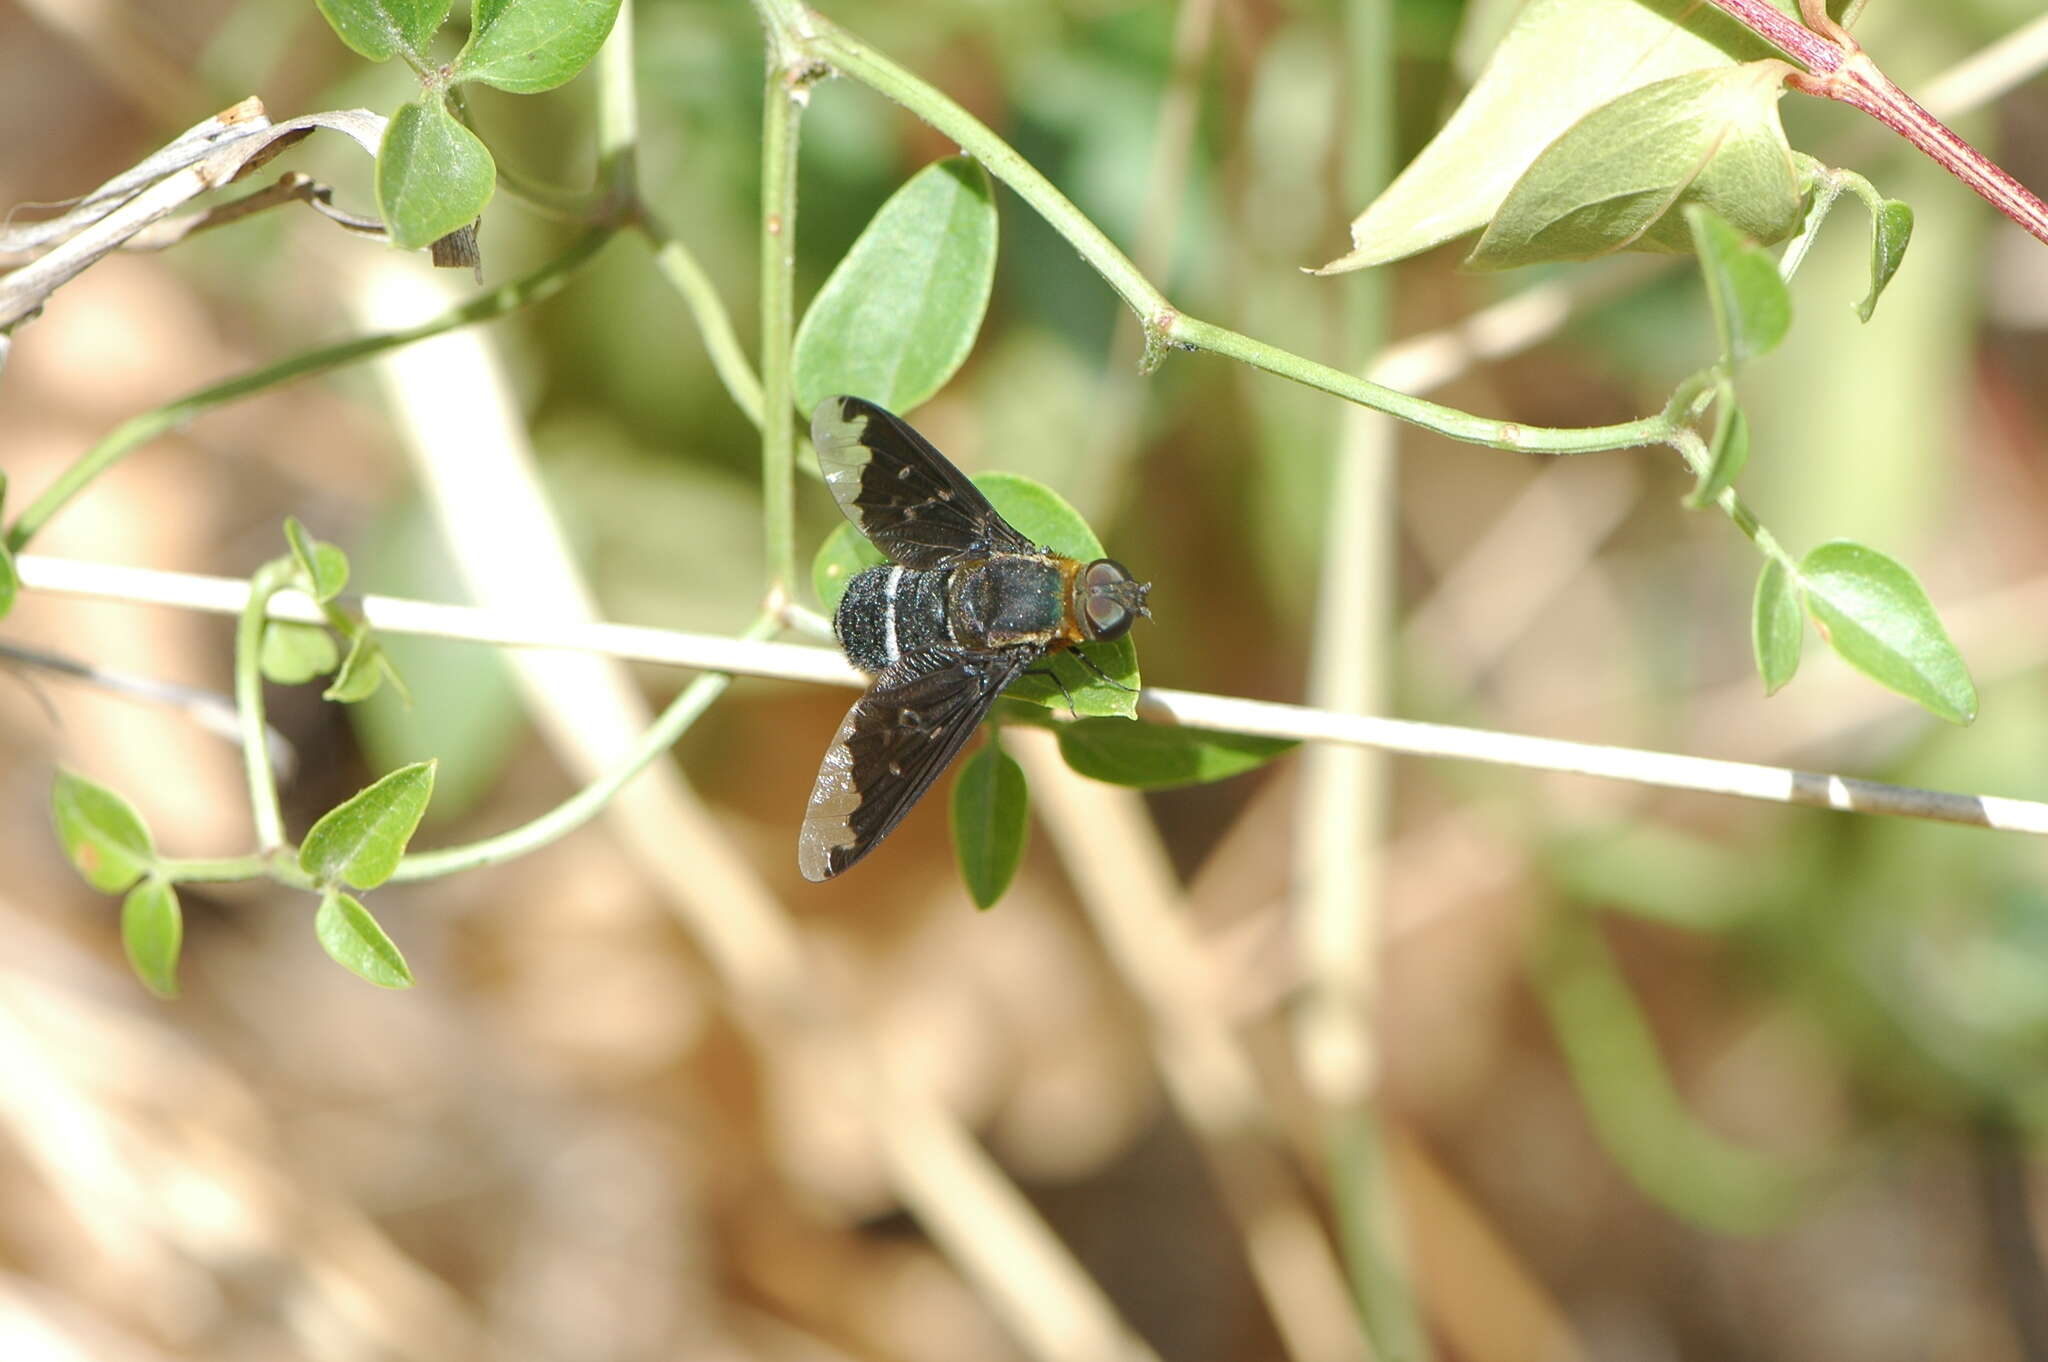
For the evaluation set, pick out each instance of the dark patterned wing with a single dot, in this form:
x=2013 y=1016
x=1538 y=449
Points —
x=900 y=492
x=891 y=746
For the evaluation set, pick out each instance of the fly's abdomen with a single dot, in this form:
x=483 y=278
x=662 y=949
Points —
x=889 y=613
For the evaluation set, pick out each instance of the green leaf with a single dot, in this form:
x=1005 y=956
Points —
x=1728 y=452
x=1161 y=756
x=1752 y=306
x=10 y=582
x=323 y=568
x=991 y=815
x=349 y=934
x=381 y=29
x=1777 y=626
x=293 y=654
x=1044 y=517
x=1612 y=181
x=100 y=832
x=1560 y=61
x=152 y=931
x=527 y=46
x=359 y=841
x=1874 y=613
x=433 y=175
x=900 y=313
x=361 y=672
x=1891 y=228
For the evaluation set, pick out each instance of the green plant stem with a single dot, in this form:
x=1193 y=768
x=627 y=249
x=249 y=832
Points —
x=140 y=429
x=1188 y=333
x=270 y=579
x=588 y=802
x=781 y=113
x=226 y=869
x=618 y=112
x=728 y=357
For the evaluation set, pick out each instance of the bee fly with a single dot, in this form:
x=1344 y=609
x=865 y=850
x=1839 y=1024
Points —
x=964 y=607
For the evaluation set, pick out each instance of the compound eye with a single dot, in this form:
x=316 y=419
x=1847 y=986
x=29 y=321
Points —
x=1104 y=592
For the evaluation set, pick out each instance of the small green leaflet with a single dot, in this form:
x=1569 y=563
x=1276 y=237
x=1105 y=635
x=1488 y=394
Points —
x=1728 y=452
x=355 y=940
x=100 y=832
x=1891 y=229
x=359 y=841
x=293 y=654
x=322 y=568
x=1752 y=306
x=991 y=816
x=1876 y=616
x=381 y=29
x=900 y=313
x=433 y=175
x=153 y=932
x=526 y=46
x=1149 y=756
x=1777 y=626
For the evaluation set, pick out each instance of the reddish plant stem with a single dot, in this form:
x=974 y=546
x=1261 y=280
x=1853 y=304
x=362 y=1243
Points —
x=1861 y=85
x=1836 y=68
x=1781 y=31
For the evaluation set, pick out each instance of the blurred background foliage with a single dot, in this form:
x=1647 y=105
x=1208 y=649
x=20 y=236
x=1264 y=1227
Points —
x=1716 y=1080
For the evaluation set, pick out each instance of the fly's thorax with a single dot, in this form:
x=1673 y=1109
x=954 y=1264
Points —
x=1006 y=600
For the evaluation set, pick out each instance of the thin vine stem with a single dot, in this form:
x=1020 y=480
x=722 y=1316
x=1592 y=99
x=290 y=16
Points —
x=781 y=120
x=687 y=276
x=140 y=429
x=588 y=802
x=264 y=807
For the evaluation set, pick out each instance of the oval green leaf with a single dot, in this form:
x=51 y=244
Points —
x=1160 y=756
x=359 y=841
x=381 y=29
x=900 y=313
x=1045 y=518
x=349 y=934
x=433 y=175
x=1752 y=307
x=1559 y=61
x=323 y=568
x=527 y=46
x=1728 y=452
x=10 y=582
x=991 y=815
x=153 y=932
x=1612 y=181
x=293 y=653
x=1777 y=626
x=1891 y=229
x=1874 y=613
x=100 y=832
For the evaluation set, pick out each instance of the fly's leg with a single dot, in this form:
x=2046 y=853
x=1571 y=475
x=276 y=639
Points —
x=1054 y=676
